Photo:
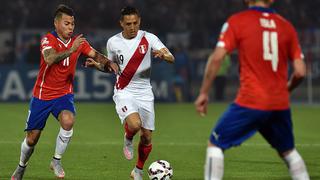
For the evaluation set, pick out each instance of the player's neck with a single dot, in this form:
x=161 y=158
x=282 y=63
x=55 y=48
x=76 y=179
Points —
x=126 y=36
x=62 y=38
x=259 y=4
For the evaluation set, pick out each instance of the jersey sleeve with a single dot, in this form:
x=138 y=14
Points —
x=47 y=42
x=155 y=42
x=295 y=49
x=110 y=53
x=227 y=38
x=86 y=48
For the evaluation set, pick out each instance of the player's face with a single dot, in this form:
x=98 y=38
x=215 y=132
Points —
x=65 y=26
x=130 y=25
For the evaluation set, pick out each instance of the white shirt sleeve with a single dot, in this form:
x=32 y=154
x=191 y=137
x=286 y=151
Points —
x=155 y=42
x=110 y=53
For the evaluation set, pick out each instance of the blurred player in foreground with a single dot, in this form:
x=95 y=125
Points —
x=265 y=42
x=53 y=90
x=132 y=49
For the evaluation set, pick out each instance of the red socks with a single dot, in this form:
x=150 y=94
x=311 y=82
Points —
x=143 y=153
x=129 y=134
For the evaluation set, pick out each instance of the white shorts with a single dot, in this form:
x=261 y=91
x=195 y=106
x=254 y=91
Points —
x=127 y=103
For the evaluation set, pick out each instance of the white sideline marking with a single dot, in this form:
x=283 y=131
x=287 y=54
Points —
x=161 y=144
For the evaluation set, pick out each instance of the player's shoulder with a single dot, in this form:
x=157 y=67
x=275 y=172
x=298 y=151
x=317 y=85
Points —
x=48 y=35
x=150 y=36
x=115 y=38
x=47 y=39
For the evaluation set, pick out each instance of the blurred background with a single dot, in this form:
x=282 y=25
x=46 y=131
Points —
x=189 y=28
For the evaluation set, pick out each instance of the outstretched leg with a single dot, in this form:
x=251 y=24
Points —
x=296 y=165
x=27 y=148
x=214 y=165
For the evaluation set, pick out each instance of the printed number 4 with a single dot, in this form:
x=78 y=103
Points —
x=66 y=62
x=270 y=48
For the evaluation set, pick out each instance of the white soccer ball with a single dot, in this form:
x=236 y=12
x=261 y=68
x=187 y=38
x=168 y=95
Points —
x=160 y=170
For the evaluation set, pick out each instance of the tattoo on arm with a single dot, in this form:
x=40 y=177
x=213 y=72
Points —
x=100 y=58
x=52 y=57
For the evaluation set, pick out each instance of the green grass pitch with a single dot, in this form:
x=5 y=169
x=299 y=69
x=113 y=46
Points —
x=95 y=152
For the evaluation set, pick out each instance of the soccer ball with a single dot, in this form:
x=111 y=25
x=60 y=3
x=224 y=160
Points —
x=160 y=170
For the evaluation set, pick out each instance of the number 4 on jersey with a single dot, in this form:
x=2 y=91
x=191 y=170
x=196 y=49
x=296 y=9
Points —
x=270 y=48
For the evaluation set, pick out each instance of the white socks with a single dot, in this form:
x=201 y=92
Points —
x=63 y=139
x=297 y=168
x=214 y=166
x=26 y=152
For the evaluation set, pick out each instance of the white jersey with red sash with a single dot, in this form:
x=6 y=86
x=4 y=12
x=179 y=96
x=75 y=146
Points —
x=134 y=59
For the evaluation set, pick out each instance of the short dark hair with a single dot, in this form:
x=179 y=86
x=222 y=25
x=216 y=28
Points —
x=129 y=10
x=63 y=9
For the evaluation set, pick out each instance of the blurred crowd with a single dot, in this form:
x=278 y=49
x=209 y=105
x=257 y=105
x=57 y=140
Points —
x=200 y=21
x=198 y=17
x=190 y=28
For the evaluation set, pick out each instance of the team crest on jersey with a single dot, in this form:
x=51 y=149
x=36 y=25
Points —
x=44 y=41
x=142 y=49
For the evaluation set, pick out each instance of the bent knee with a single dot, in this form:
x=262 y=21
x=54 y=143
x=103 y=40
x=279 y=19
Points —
x=134 y=123
x=136 y=126
x=66 y=119
x=31 y=141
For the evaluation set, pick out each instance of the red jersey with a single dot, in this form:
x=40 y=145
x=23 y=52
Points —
x=265 y=43
x=57 y=80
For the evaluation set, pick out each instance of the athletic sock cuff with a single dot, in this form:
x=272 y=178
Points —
x=215 y=152
x=66 y=133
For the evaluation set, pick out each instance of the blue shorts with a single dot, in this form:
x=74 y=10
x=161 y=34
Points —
x=40 y=110
x=238 y=124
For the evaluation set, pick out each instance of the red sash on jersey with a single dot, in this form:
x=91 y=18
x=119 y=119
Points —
x=133 y=64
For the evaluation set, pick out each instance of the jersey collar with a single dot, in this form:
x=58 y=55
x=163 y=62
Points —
x=262 y=9
x=55 y=34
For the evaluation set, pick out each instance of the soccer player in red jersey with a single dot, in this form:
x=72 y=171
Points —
x=53 y=90
x=267 y=43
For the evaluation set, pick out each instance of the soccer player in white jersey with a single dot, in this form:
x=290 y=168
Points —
x=132 y=49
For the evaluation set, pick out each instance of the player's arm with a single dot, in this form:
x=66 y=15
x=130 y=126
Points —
x=299 y=73
x=101 y=62
x=51 y=56
x=298 y=64
x=213 y=65
x=164 y=54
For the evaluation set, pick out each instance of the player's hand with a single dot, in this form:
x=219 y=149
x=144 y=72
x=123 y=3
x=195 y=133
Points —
x=91 y=63
x=113 y=67
x=201 y=104
x=158 y=54
x=77 y=42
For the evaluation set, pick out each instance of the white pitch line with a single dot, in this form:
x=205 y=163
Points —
x=162 y=144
